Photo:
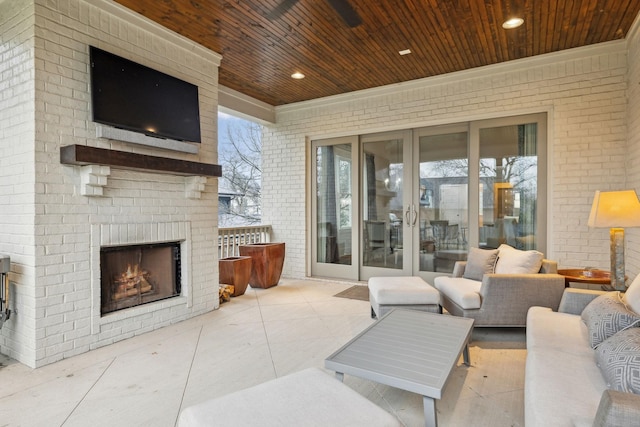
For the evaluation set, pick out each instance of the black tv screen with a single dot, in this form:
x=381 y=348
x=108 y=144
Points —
x=130 y=96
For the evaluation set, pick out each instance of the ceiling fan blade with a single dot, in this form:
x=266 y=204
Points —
x=346 y=11
x=282 y=8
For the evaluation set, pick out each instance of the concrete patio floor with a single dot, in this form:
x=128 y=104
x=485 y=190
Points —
x=264 y=334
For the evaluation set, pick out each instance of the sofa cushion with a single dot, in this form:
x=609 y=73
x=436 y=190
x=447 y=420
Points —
x=619 y=360
x=550 y=330
x=561 y=389
x=463 y=292
x=632 y=295
x=479 y=262
x=606 y=315
x=310 y=397
x=563 y=385
x=402 y=290
x=515 y=261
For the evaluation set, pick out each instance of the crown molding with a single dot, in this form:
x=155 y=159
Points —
x=634 y=30
x=458 y=76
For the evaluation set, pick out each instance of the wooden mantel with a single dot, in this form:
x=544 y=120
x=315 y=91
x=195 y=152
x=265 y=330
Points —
x=81 y=155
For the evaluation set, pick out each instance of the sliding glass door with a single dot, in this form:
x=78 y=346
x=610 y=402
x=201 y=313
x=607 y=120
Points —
x=412 y=202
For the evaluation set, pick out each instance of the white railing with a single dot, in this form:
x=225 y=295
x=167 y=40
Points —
x=230 y=239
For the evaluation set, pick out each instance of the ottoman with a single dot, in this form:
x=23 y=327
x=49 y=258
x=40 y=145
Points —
x=410 y=292
x=307 y=398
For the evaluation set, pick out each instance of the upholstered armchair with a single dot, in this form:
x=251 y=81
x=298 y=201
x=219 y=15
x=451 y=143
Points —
x=497 y=287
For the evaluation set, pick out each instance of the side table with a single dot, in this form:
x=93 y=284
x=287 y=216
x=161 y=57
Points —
x=589 y=276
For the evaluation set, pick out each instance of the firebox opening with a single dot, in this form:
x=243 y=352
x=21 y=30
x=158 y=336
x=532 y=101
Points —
x=138 y=274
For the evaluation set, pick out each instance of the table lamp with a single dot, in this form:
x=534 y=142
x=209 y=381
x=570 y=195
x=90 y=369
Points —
x=616 y=210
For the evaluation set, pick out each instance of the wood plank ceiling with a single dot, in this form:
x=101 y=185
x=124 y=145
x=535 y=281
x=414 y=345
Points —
x=264 y=41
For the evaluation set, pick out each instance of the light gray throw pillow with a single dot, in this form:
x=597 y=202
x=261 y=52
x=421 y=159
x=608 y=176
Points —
x=618 y=358
x=479 y=262
x=606 y=315
x=515 y=261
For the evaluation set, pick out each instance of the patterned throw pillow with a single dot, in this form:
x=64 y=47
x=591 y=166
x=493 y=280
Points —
x=619 y=360
x=606 y=315
x=479 y=262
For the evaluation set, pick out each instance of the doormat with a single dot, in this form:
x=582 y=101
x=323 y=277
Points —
x=359 y=292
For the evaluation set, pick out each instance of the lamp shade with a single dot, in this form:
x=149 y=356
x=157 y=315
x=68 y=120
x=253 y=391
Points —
x=615 y=209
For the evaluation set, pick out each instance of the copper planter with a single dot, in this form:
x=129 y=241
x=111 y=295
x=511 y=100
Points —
x=236 y=271
x=267 y=261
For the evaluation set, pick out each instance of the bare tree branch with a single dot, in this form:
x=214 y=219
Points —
x=240 y=154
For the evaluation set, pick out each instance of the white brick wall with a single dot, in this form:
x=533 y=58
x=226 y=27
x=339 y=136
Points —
x=56 y=310
x=584 y=91
x=17 y=178
x=632 y=249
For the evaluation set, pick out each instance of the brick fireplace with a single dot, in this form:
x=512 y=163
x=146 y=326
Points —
x=133 y=275
x=132 y=238
x=56 y=218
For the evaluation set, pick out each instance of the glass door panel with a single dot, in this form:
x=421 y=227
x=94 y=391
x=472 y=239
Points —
x=334 y=212
x=334 y=206
x=443 y=180
x=382 y=238
x=385 y=240
x=509 y=179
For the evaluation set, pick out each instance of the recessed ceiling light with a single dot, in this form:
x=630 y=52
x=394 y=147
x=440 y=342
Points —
x=405 y=52
x=512 y=23
x=297 y=75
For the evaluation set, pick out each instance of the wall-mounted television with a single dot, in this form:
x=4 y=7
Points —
x=131 y=96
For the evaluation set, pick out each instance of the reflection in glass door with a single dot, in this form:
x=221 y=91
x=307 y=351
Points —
x=334 y=211
x=443 y=197
x=385 y=216
x=509 y=178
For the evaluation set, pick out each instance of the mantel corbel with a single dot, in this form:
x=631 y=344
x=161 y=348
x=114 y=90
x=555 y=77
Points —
x=93 y=178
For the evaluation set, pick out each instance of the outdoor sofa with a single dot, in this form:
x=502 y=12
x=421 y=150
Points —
x=567 y=381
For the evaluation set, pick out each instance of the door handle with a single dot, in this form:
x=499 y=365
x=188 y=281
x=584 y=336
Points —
x=415 y=215
x=407 y=216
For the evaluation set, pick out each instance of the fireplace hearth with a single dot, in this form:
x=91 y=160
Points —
x=133 y=275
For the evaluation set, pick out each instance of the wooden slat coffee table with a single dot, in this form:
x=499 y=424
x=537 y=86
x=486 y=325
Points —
x=411 y=350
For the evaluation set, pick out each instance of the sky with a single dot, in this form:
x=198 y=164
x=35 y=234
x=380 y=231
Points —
x=224 y=121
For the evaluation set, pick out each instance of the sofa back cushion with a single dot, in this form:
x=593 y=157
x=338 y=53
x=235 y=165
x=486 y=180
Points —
x=619 y=360
x=632 y=295
x=515 y=261
x=606 y=315
x=479 y=262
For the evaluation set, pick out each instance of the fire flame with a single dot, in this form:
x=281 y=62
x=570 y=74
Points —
x=132 y=282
